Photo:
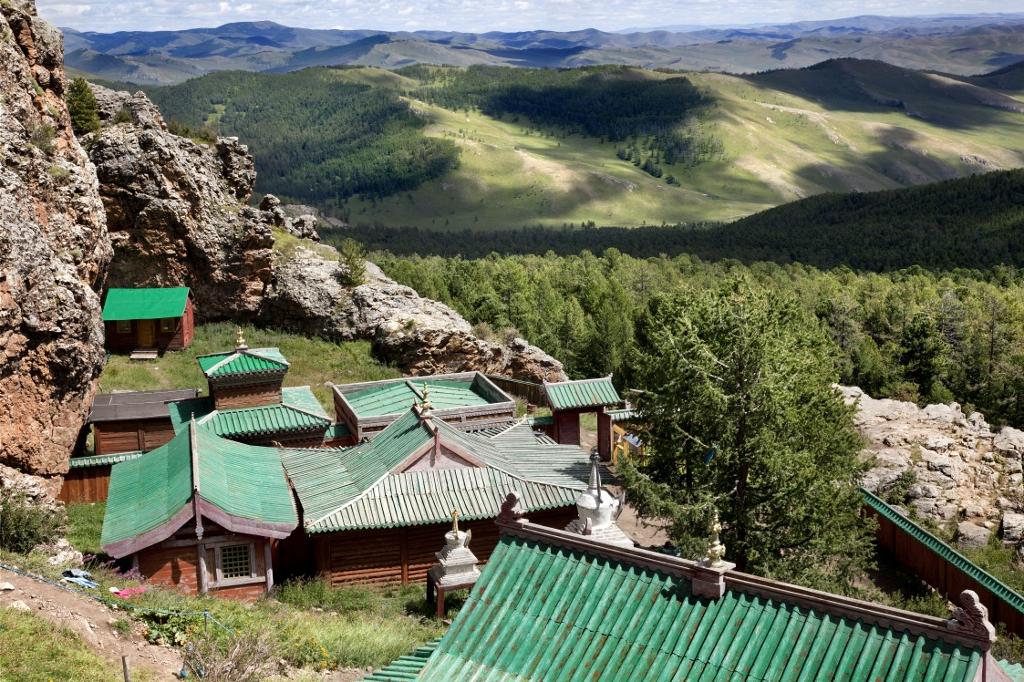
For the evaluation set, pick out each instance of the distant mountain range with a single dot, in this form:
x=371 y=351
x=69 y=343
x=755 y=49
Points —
x=963 y=45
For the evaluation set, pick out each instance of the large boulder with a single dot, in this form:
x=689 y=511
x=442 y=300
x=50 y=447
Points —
x=54 y=254
x=971 y=536
x=177 y=213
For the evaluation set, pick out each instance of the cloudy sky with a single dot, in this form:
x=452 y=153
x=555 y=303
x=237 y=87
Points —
x=480 y=15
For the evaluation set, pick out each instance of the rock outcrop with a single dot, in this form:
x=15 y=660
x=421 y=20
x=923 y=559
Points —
x=54 y=254
x=176 y=209
x=950 y=468
x=177 y=216
x=420 y=335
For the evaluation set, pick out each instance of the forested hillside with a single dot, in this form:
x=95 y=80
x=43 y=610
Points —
x=910 y=334
x=974 y=222
x=489 y=148
x=317 y=135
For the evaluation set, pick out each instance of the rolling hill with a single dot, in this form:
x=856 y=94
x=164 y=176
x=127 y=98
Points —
x=962 y=45
x=524 y=156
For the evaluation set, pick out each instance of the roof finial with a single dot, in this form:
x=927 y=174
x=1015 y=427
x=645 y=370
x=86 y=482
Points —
x=716 y=550
x=595 y=475
x=426 y=406
x=455 y=521
x=240 y=343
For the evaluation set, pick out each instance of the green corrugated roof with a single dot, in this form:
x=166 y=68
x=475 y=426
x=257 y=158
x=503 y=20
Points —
x=1014 y=670
x=144 y=304
x=623 y=415
x=569 y=395
x=945 y=552
x=352 y=488
x=541 y=612
x=399 y=395
x=182 y=411
x=244 y=481
x=405 y=668
x=299 y=412
x=338 y=430
x=102 y=460
x=247 y=361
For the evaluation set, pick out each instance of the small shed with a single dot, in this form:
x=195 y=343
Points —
x=151 y=319
x=133 y=421
x=201 y=513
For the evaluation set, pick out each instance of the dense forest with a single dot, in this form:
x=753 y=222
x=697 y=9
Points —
x=909 y=334
x=316 y=136
x=974 y=222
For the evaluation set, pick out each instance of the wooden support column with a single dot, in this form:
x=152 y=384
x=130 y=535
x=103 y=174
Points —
x=405 y=556
x=604 y=435
x=268 y=565
x=204 y=583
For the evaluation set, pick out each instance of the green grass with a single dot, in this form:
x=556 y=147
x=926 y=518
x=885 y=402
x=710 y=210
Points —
x=780 y=144
x=34 y=650
x=313 y=362
x=85 y=522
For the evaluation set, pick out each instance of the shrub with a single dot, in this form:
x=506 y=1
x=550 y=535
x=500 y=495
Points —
x=353 y=262
x=243 y=657
x=25 y=524
x=42 y=138
x=123 y=116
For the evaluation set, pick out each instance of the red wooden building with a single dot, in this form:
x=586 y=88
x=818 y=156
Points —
x=148 y=319
x=570 y=399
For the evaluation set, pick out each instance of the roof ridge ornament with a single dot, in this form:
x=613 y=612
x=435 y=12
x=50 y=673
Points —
x=971 y=619
x=716 y=549
x=240 y=343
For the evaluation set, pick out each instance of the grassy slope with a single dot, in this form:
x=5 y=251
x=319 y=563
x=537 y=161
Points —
x=313 y=362
x=33 y=650
x=782 y=141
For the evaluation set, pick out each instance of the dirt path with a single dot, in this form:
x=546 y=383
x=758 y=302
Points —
x=93 y=622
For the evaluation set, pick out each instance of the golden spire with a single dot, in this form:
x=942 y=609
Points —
x=716 y=550
x=426 y=397
x=240 y=340
x=455 y=521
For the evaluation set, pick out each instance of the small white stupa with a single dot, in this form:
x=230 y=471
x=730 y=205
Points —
x=598 y=510
x=456 y=563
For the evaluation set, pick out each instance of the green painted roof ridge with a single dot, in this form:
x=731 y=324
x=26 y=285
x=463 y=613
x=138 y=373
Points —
x=983 y=577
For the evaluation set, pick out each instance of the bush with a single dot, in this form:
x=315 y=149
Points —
x=25 y=524
x=243 y=657
x=42 y=138
x=353 y=262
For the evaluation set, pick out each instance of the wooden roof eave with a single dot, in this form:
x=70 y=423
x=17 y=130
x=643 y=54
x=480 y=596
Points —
x=131 y=545
x=244 y=526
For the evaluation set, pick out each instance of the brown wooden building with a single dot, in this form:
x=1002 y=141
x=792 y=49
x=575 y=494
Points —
x=133 y=421
x=148 y=319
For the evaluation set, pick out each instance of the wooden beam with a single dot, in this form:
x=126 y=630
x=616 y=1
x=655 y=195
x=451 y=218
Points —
x=204 y=584
x=268 y=567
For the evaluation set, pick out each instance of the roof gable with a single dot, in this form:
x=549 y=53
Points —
x=554 y=607
x=571 y=395
x=144 y=304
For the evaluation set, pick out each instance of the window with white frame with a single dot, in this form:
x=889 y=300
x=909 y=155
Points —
x=235 y=562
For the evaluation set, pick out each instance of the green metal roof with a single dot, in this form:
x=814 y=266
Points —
x=623 y=415
x=405 y=668
x=1015 y=671
x=398 y=396
x=245 y=361
x=338 y=430
x=354 y=487
x=299 y=412
x=945 y=552
x=570 y=395
x=244 y=481
x=144 y=304
x=103 y=460
x=544 y=612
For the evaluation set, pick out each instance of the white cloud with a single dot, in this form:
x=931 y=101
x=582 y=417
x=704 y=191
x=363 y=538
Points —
x=481 y=15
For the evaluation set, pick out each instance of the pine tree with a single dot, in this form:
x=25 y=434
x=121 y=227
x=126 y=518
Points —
x=737 y=391
x=82 y=107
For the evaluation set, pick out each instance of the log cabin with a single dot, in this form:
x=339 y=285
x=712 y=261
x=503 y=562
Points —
x=148 y=320
x=201 y=514
x=376 y=512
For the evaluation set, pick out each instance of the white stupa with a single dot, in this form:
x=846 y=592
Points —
x=456 y=563
x=598 y=510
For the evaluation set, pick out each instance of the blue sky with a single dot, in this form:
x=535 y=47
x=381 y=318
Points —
x=480 y=15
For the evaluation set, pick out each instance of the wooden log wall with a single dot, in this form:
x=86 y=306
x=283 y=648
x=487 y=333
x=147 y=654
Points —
x=394 y=555
x=247 y=395
x=111 y=438
x=943 y=576
x=88 y=484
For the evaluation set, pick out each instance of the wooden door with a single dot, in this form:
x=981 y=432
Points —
x=146 y=336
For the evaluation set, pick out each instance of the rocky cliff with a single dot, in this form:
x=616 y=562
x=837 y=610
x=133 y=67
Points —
x=944 y=466
x=54 y=254
x=178 y=216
